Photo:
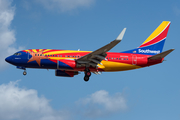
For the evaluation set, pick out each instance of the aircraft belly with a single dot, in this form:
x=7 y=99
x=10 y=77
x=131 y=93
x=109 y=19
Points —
x=117 y=66
x=48 y=64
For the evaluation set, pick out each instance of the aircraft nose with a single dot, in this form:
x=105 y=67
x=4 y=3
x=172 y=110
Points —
x=8 y=59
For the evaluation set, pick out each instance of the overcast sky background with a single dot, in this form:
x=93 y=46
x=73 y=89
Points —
x=143 y=94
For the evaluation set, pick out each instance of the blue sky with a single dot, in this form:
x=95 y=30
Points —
x=147 y=93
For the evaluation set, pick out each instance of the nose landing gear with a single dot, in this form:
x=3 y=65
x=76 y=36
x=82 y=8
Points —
x=87 y=74
x=24 y=73
x=22 y=68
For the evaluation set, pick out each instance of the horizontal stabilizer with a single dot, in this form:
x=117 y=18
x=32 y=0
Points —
x=160 y=55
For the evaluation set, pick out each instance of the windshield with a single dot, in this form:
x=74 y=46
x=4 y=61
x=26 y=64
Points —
x=17 y=54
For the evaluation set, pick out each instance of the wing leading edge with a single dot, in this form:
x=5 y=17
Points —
x=98 y=55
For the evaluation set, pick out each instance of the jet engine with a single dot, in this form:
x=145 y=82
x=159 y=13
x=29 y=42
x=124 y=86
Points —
x=63 y=73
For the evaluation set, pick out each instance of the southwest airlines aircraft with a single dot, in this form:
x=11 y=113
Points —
x=68 y=63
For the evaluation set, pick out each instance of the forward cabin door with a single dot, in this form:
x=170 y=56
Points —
x=134 y=60
x=29 y=55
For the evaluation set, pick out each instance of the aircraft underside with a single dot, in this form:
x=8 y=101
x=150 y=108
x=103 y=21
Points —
x=68 y=63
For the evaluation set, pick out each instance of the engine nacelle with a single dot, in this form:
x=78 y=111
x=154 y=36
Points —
x=64 y=73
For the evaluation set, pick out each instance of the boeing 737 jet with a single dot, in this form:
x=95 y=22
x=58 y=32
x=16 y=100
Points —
x=68 y=63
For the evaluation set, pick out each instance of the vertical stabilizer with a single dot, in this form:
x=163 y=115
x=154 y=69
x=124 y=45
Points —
x=154 y=43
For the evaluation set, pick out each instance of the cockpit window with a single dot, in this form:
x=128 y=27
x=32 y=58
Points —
x=17 y=54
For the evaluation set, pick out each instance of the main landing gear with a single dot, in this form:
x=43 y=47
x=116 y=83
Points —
x=87 y=74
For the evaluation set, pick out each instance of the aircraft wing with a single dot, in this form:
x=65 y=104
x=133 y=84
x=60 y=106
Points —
x=98 y=55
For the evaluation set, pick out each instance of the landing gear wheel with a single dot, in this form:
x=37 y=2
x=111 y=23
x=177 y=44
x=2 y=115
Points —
x=86 y=78
x=87 y=74
x=24 y=73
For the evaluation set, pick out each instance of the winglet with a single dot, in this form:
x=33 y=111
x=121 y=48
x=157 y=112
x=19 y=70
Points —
x=120 y=37
x=160 y=55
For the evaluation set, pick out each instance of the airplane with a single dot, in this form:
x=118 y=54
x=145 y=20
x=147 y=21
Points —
x=68 y=63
